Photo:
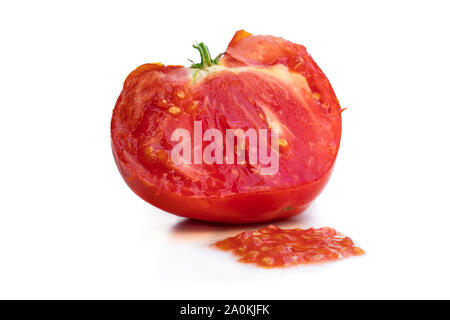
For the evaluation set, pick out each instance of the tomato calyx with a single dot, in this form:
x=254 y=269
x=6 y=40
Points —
x=205 y=55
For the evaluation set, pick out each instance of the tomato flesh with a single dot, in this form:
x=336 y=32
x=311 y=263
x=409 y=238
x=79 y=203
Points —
x=273 y=247
x=262 y=82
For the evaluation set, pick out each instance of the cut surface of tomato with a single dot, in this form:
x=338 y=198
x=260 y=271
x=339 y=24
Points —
x=262 y=82
x=273 y=247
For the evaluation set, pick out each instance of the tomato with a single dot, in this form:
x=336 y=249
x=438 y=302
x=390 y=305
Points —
x=273 y=247
x=261 y=82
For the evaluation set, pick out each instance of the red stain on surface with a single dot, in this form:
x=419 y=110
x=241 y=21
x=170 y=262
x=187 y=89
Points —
x=272 y=247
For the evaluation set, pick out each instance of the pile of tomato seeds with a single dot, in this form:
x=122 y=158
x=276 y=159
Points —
x=272 y=247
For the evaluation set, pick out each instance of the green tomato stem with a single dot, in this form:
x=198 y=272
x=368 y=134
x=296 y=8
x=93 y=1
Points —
x=205 y=56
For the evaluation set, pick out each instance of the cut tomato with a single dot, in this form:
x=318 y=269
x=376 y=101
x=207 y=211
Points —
x=261 y=82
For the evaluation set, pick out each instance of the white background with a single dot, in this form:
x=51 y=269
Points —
x=71 y=228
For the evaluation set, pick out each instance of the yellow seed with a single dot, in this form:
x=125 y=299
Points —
x=268 y=261
x=149 y=151
x=251 y=256
x=181 y=94
x=174 y=110
x=316 y=96
x=283 y=143
x=149 y=154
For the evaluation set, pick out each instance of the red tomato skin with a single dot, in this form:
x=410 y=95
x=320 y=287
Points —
x=247 y=207
x=232 y=209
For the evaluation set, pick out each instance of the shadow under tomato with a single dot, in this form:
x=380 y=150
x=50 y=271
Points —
x=189 y=229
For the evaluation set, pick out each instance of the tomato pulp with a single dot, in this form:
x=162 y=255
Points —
x=261 y=82
x=274 y=247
